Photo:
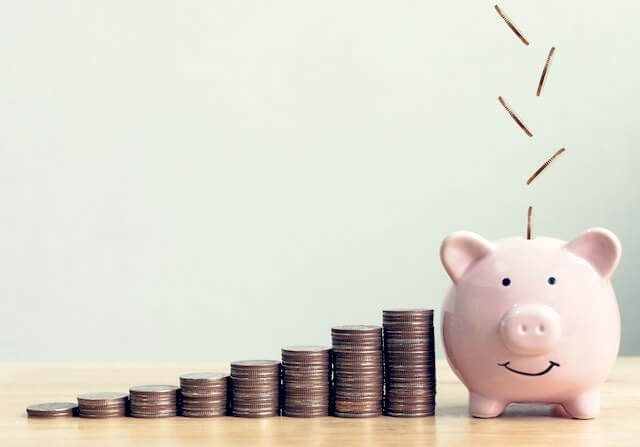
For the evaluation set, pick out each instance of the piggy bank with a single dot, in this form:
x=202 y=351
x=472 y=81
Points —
x=531 y=321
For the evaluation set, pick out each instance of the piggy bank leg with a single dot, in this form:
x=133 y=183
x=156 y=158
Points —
x=584 y=406
x=484 y=407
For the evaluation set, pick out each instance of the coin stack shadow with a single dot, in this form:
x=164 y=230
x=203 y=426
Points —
x=358 y=371
x=306 y=378
x=102 y=405
x=52 y=410
x=154 y=401
x=410 y=381
x=203 y=394
x=255 y=388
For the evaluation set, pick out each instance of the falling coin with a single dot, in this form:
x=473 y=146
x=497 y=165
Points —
x=514 y=116
x=544 y=165
x=544 y=70
x=511 y=25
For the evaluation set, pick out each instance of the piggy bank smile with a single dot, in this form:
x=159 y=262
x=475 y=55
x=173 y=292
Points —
x=506 y=366
x=519 y=308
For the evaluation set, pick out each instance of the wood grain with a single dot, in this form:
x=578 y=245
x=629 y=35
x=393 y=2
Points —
x=22 y=384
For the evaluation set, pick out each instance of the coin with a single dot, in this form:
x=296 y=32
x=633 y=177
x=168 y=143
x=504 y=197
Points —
x=103 y=404
x=355 y=328
x=52 y=409
x=306 y=372
x=255 y=388
x=204 y=394
x=255 y=364
x=153 y=389
x=409 y=362
x=204 y=376
x=358 y=370
x=511 y=25
x=515 y=117
x=306 y=350
x=544 y=70
x=152 y=401
x=102 y=399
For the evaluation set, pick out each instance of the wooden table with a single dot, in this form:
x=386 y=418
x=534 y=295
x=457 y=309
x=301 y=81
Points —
x=22 y=384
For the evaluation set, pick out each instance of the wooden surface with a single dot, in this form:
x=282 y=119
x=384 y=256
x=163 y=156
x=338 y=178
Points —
x=22 y=384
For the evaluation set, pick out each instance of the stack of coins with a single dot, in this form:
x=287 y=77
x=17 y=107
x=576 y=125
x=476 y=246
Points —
x=306 y=378
x=409 y=362
x=204 y=394
x=52 y=410
x=154 y=401
x=102 y=405
x=255 y=386
x=358 y=371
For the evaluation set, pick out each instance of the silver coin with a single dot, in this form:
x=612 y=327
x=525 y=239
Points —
x=153 y=389
x=306 y=348
x=204 y=376
x=103 y=395
x=258 y=363
x=49 y=407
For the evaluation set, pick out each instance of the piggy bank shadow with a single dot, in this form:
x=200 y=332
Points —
x=512 y=411
x=539 y=410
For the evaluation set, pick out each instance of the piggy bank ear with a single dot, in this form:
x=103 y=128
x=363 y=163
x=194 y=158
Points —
x=600 y=248
x=461 y=250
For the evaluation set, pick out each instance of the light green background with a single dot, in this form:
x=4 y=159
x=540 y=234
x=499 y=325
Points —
x=216 y=179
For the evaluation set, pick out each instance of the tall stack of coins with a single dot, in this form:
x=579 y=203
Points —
x=255 y=386
x=409 y=362
x=358 y=371
x=52 y=410
x=102 y=405
x=154 y=401
x=306 y=377
x=204 y=394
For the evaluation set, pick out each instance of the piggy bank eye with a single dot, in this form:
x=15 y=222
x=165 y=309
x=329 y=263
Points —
x=506 y=282
x=551 y=280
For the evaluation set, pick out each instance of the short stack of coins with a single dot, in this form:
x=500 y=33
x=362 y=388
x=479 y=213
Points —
x=410 y=380
x=52 y=410
x=255 y=388
x=203 y=394
x=358 y=371
x=154 y=401
x=102 y=405
x=306 y=378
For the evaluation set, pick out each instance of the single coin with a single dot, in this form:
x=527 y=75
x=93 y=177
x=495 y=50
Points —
x=153 y=389
x=544 y=166
x=204 y=376
x=52 y=409
x=511 y=25
x=409 y=414
x=356 y=328
x=102 y=396
x=255 y=363
x=342 y=414
x=514 y=116
x=101 y=416
x=306 y=349
x=202 y=414
x=152 y=416
x=545 y=70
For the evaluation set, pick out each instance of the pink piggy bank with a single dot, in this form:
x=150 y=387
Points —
x=531 y=321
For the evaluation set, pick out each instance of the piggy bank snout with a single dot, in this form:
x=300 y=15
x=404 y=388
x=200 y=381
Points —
x=530 y=329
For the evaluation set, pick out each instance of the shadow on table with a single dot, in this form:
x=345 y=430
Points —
x=512 y=411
